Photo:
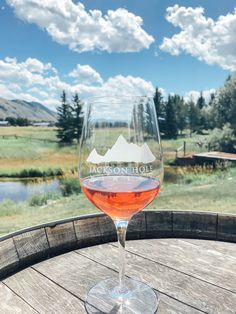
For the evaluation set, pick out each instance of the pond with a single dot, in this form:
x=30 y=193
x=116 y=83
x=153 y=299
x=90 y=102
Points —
x=23 y=190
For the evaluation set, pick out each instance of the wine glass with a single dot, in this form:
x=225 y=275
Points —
x=121 y=171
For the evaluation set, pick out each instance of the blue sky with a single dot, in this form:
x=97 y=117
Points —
x=116 y=46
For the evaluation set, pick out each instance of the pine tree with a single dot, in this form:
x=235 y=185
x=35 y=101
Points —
x=181 y=112
x=158 y=102
x=160 y=109
x=78 y=116
x=171 y=119
x=201 y=103
x=65 y=132
x=193 y=117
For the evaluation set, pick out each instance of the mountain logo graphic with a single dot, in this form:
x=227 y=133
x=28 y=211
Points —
x=122 y=151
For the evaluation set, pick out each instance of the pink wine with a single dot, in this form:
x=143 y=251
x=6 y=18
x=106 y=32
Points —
x=120 y=197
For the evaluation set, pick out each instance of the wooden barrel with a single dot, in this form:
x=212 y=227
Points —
x=31 y=245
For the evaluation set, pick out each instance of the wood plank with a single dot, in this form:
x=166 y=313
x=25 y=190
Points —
x=209 y=265
x=137 y=227
x=159 y=224
x=78 y=274
x=94 y=230
x=31 y=246
x=61 y=237
x=201 y=295
x=194 y=224
x=226 y=227
x=11 y=303
x=9 y=261
x=226 y=248
x=42 y=294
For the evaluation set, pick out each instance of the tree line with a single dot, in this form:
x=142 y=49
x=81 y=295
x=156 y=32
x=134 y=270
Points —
x=175 y=116
x=19 y=121
x=216 y=116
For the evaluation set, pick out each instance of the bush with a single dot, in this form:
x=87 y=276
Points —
x=38 y=173
x=223 y=140
x=70 y=186
x=38 y=200
x=42 y=199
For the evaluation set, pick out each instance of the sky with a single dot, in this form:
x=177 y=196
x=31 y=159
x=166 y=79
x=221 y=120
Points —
x=99 y=47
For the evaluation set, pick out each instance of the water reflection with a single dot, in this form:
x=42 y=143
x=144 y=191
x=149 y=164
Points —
x=24 y=190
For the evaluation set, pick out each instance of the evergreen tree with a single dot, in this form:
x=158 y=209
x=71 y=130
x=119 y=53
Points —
x=158 y=102
x=181 y=112
x=65 y=125
x=225 y=104
x=78 y=116
x=193 y=117
x=171 y=130
x=160 y=109
x=209 y=113
x=201 y=103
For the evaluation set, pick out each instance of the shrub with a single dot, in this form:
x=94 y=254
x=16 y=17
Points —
x=42 y=199
x=38 y=173
x=70 y=186
x=223 y=139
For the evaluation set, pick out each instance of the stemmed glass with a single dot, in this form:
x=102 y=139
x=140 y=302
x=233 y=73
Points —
x=121 y=171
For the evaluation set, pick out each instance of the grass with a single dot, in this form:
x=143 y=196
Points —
x=212 y=192
x=20 y=156
x=37 y=155
x=32 y=151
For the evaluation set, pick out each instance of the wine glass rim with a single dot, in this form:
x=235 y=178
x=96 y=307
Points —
x=95 y=99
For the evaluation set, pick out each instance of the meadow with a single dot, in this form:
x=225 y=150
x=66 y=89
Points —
x=37 y=149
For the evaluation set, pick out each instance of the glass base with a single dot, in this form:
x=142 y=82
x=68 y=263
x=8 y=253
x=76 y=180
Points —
x=136 y=298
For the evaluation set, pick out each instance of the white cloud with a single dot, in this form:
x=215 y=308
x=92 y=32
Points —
x=212 y=41
x=70 y=24
x=126 y=85
x=194 y=95
x=33 y=80
x=85 y=74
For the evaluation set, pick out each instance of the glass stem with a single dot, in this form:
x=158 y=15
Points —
x=121 y=228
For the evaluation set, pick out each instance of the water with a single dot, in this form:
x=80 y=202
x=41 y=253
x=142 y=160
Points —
x=24 y=190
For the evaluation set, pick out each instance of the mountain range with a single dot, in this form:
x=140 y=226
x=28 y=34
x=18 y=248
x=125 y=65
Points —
x=122 y=151
x=33 y=111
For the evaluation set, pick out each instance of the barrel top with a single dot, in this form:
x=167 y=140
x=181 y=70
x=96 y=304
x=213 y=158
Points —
x=191 y=276
x=31 y=245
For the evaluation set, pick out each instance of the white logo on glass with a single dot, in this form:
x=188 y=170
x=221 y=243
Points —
x=122 y=151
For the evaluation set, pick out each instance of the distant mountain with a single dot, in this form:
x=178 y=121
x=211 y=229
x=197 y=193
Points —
x=33 y=111
x=122 y=151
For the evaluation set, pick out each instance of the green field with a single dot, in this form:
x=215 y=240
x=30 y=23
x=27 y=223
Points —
x=215 y=192
x=200 y=189
x=25 y=148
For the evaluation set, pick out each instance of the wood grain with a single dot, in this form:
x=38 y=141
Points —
x=159 y=224
x=61 y=237
x=137 y=227
x=42 y=294
x=31 y=246
x=94 y=230
x=226 y=248
x=9 y=261
x=206 y=264
x=12 y=304
x=195 y=225
x=195 y=292
x=78 y=274
x=226 y=227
